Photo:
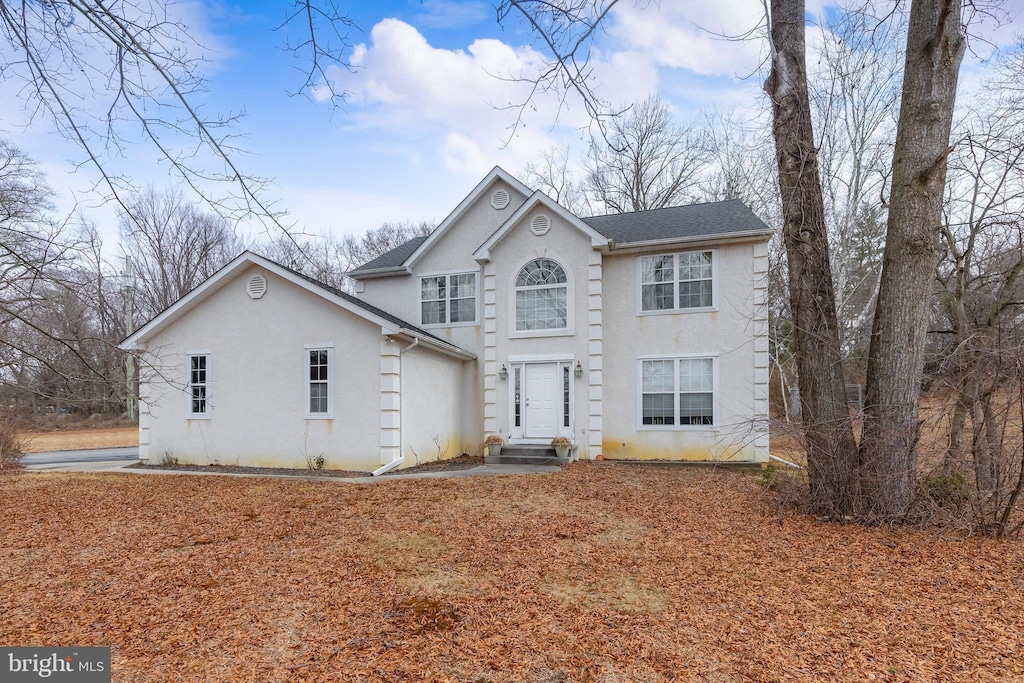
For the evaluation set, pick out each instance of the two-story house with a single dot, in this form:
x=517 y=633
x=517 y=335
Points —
x=637 y=336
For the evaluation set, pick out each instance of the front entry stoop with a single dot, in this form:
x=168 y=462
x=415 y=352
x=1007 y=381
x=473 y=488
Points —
x=526 y=455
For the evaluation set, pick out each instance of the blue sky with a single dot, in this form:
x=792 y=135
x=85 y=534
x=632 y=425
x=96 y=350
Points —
x=421 y=127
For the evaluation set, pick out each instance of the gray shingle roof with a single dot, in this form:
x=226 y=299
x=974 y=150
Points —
x=714 y=219
x=393 y=258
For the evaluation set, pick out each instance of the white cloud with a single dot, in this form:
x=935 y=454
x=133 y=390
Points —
x=692 y=35
x=464 y=101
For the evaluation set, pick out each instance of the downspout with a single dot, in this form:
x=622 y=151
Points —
x=401 y=413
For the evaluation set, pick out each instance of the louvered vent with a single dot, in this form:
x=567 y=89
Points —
x=499 y=200
x=540 y=224
x=257 y=286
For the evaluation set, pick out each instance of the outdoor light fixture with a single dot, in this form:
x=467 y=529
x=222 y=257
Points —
x=503 y=373
x=579 y=370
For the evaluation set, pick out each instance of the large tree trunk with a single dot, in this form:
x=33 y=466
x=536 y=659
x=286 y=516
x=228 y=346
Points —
x=888 y=460
x=831 y=449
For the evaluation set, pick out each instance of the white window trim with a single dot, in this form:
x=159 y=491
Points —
x=446 y=274
x=674 y=311
x=189 y=415
x=568 y=330
x=329 y=348
x=715 y=396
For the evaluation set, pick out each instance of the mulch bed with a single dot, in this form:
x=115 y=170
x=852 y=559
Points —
x=463 y=462
x=594 y=573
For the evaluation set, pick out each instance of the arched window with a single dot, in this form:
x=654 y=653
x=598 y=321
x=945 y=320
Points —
x=542 y=296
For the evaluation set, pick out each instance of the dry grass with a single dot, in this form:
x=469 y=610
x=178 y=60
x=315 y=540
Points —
x=70 y=440
x=598 y=573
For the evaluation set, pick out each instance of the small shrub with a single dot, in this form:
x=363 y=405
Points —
x=167 y=459
x=494 y=440
x=561 y=442
x=11 y=446
x=768 y=477
x=944 y=489
x=319 y=462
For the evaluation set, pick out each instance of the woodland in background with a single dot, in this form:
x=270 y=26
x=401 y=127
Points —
x=63 y=294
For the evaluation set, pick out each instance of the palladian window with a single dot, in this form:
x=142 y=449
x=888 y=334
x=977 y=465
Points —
x=542 y=296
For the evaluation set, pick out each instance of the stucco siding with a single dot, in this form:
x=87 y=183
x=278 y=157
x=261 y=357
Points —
x=572 y=250
x=451 y=251
x=727 y=335
x=258 y=381
x=433 y=407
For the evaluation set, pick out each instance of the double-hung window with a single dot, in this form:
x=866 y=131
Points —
x=198 y=392
x=448 y=299
x=677 y=282
x=318 y=381
x=677 y=392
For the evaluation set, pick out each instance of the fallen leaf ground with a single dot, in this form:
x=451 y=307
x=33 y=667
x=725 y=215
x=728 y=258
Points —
x=600 y=572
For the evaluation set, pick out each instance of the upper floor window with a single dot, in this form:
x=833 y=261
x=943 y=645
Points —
x=448 y=299
x=542 y=294
x=198 y=385
x=677 y=281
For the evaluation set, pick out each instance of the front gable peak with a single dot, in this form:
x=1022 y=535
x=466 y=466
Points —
x=539 y=225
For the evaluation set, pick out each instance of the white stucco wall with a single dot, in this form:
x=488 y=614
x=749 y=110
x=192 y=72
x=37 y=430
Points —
x=606 y=335
x=573 y=251
x=734 y=335
x=257 y=382
x=400 y=296
x=434 y=407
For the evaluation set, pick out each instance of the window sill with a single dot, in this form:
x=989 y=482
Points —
x=197 y=416
x=678 y=428
x=324 y=416
x=435 y=326
x=525 y=334
x=671 y=311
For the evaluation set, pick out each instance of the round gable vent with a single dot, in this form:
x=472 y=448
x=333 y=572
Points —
x=256 y=286
x=540 y=224
x=499 y=200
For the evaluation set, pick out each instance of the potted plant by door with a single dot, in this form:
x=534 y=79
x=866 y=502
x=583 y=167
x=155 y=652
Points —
x=562 y=446
x=494 y=444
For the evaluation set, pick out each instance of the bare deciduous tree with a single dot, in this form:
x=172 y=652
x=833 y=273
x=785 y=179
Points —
x=854 y=91
x=831 y=449
x=645 y=161
x=887 y=458
x=174 y=246
x=107 y=74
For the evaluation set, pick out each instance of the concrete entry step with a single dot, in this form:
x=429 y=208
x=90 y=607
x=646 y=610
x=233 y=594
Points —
x=526 y=455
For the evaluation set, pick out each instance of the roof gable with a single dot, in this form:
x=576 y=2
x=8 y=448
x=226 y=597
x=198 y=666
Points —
x=538 y=198
x=389 y=324
x=402 y=258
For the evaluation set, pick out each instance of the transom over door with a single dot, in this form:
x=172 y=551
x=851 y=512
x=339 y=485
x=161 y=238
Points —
x=543 y=400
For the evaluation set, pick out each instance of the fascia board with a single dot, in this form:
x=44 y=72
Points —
x=751 y=235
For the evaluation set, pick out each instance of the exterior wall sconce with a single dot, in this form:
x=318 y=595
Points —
x=578 y=372
x=503 y=373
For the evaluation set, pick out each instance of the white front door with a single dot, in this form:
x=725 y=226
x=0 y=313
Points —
x=543 y=400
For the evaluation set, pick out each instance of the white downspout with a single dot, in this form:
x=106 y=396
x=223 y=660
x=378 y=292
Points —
x=401 y=414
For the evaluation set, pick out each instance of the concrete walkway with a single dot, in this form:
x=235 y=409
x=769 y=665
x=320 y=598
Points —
x=122 y=466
